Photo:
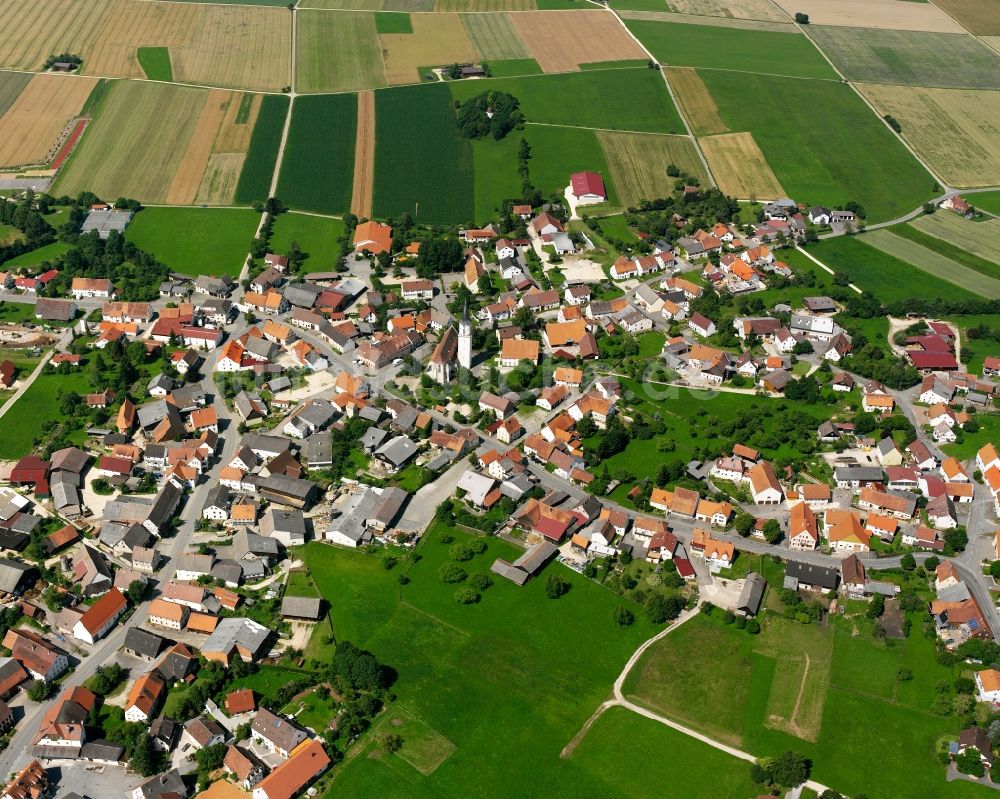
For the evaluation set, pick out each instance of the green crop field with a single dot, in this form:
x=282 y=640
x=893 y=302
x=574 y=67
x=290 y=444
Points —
x=338 y=52
x=317 y=171
x=422 y=166
x=514 y=67
x=317 y=236
x=717 y=47
x=981 y=238
x=851 y=687
x=619 y=99
x=888 y=278
x=916 y=233
x=987 y=201
x=822 y=141
x=196 y=241
x=393 y=22
x=494 y=37
x=933 y=263
x=514 y=635
x=11 y=85
x=913 y=58
x=155 y=62
x=258 y=168
x=496 y=178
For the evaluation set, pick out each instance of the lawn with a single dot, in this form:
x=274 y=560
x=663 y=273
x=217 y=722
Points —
x=40 y=403
x=15 y=312
x=196 y=241
x=300 y=583
x=47 y=253
x=557 y=152
x=267 y=680
x=155 y=62
x=422 y=166
x=317 y=236
x=618 y=99
x=724 y=682
x=822 y=141
x=317 y=171
x=989 y=431
x=509 y=715
x=651 y=344
x=514 y=67
x=495 y=177
x=913 y=58
x=258 y=167
x=888 y=278
x=790 y=54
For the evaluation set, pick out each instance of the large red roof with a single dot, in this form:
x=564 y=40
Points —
x=587 y=183
x=933 y=360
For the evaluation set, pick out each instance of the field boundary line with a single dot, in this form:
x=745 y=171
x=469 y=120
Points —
x=670 y=93
x=873 y=109
x=823 y=266
x=430 y=615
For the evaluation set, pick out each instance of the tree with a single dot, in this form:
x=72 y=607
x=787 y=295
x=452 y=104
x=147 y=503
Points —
x=956 y=539
x=390 y=742
x=136 y=591
x=908 y=562
x=142 y=758
x=489 y=114
x=772 y=531
x=40 y=690
x=744 y=523
x=210 y=757
x=660 y=609
x=789 y=769
x=876 y=607
x=623 y=616
x=829 y=793
x=555 y=586
x=802 y=19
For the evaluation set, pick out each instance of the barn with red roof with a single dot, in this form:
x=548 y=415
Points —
x=588 y=187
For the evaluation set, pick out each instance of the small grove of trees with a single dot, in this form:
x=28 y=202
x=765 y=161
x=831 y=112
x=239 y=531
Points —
x=493 y=114
x=802 y=19
x=106 y=679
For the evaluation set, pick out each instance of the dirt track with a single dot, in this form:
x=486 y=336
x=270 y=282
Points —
x=364 y=155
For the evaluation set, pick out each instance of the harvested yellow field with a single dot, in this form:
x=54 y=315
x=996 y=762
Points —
x=695 y=101
x=992 y=41
x=902 y=15
x=977 y=16
x=734 y=9
x=719 y=22
x=188 y=177
x=55 y=26
x=957 y=131
x=364 y=156
x=237 y=126
x=562 y=40
x=739 y=167
x=638 y=163
x=222 y=174
x=32 y=126
x=135 y=145
x=237 y=46
x=485 y=5
x=437 y=40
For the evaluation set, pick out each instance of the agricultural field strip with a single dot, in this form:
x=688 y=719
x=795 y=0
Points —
x=978 y=238
x=902 y=15
x=741 y=10
x=719 y=22
x=32 y=125
x=637 y=161
x=933 y=263
x=954 y=130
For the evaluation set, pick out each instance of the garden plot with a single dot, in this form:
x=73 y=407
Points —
x=561 y=41
x=957 y=131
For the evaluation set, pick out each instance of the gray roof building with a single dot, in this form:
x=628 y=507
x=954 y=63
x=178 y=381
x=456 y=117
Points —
x=301 y=607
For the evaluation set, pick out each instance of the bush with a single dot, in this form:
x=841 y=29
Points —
x=908 y=562
x=556 y=586
x=480 y=582
x=753 y=626
x=623 y=616
x=450 y=573
x=389 y=562
x=466 y=595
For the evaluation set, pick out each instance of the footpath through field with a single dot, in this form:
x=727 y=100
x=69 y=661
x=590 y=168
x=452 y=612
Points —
x=620 y=701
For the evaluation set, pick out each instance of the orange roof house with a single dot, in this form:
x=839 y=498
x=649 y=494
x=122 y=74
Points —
x=519 y=349
x=373 y=237
x=307 y=762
